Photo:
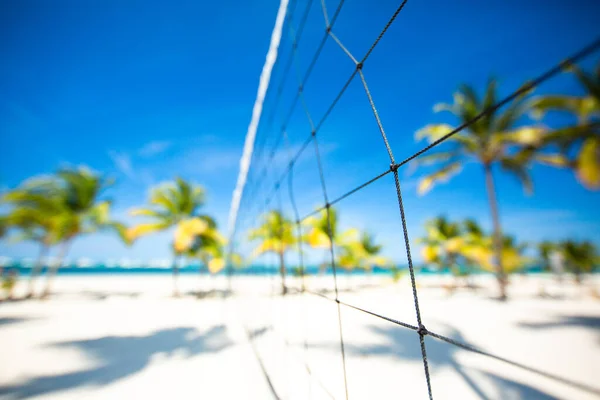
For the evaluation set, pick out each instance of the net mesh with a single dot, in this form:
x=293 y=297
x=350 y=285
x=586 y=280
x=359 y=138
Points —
x=290 y=133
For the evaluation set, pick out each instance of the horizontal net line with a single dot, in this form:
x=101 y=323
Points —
x=345 y=195
x=404 y=324
x=474 y=349
x=589 y=49
x=426 y=332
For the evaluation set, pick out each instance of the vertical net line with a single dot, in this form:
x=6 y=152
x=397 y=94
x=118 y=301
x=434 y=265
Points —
x=309 y=70
x=323 y=186
x=299 y=235
x=332 y=259
x=359 y=68
x=422 y=330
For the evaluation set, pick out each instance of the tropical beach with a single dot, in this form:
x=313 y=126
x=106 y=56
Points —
x=379 y=218
x=118 y=336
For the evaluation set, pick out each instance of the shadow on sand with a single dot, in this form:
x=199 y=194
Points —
x=403 y=344
x=12 y=320
x=118 y=357
x=583 y=321
x=212 y=293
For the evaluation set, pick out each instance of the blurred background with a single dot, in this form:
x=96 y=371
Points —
x=420 y=202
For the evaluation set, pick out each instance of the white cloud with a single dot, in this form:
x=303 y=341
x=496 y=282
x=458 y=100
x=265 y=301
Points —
x=154 y=148
x=123 y=163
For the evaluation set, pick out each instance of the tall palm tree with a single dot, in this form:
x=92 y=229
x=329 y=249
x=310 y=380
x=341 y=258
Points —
x=173 y=204
x=494 y=141
x=54 y=210
x=277 y=236
x=580 y=257
x=78 y=191
x=33 y=215
x=578 y=143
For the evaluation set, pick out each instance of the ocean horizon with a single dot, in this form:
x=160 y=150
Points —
x=258 y=270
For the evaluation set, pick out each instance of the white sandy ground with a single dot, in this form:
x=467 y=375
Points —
x=124 y=337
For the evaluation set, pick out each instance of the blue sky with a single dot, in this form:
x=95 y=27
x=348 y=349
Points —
x=146 y=91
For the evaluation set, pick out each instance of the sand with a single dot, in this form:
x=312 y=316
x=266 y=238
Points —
x=124 y=337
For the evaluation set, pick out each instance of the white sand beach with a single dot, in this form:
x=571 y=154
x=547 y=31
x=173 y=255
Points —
x=123 y=336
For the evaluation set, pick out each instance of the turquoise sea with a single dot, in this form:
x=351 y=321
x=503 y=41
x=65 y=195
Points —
x=251 y=270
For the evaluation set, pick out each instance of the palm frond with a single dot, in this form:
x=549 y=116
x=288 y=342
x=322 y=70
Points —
x=519 y=170
x=441 y=175
x=588 y=164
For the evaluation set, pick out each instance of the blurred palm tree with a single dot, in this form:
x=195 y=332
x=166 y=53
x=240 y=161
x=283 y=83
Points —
x=441 y=243
x=276 y=235
x=362 y=254
x=54 y=210
x=323 y=232
x=545 y=250
x=79 y=192
x=34 y=215
x=210 y=248
x=580 y=257
x=478 y=250
x=579 y=143
x=493 y=141
x=174 y=204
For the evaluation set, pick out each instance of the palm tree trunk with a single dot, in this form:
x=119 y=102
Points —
x=282 y=272
x=37 y=267
x=53 y=269
x=176 y=276
x=497 y=235
x=578 y=277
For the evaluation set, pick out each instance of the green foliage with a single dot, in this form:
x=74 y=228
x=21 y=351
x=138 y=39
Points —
x=493 y=139
x=545 y=250
x=54 y=209
x=441 y=243
x=578 y=144
x=464 y=246
x=276 y=234
x=169 y=204
x=580 y=257
x=351 y=248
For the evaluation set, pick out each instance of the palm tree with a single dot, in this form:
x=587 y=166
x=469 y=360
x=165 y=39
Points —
x=493 y=141
x=478 y=249
x=580 y=257
x=78 y=191
x=34 y=215
x=363 y=253
x=441 y=243
x=54 y=210
x=545 y=250
x=204 y=243
x=277 y=236
x=173 y=204
x=372 y=252
x=323 y=232
x=578 y=143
